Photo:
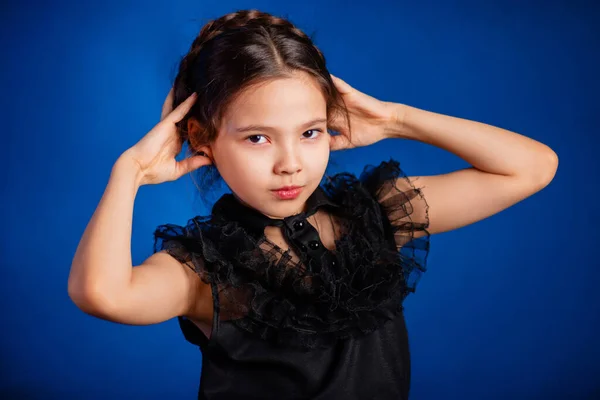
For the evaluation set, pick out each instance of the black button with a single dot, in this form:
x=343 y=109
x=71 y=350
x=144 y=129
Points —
x=299 y=225
x=313 y=245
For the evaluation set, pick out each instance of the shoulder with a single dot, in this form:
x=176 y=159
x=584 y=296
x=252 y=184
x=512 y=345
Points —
x=185 y=242
x=361 y=193
x=180 y=248
x=384 y=200
x=370 y=180
x=203 y=243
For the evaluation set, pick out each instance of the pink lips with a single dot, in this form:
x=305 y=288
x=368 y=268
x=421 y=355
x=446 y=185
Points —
x=288 y=192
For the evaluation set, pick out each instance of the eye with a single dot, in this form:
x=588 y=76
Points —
x=255 y=139
x=312 y=133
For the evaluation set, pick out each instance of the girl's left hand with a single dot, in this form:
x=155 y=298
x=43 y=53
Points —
x=371 y=120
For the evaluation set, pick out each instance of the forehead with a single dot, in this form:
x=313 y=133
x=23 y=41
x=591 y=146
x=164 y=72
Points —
x=279 y=103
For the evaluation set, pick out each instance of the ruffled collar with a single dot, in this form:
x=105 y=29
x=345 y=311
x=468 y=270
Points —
x=328 y=295
x=229 y=207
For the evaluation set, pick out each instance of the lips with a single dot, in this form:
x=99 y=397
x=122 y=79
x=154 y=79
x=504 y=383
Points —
x=287 y=188
x=287 y=192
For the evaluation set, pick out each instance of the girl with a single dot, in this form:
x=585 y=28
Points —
x=293 y=286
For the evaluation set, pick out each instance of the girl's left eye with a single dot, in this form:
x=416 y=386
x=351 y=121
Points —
x=316 y=133
x=254 y=139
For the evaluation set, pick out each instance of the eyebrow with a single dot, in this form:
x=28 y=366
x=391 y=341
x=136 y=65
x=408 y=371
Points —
x=270 y=128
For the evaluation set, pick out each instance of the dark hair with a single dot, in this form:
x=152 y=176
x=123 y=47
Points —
x=239 y=50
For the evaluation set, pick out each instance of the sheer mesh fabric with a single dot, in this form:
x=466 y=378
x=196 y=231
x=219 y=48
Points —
x=378 y=251
x=407 y=210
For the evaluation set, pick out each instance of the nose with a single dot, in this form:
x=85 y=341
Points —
x=288 y=161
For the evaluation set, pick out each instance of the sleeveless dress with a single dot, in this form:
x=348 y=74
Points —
x=326 y=324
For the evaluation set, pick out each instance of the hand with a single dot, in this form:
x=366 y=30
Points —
x=155 y=153
x=371 y=120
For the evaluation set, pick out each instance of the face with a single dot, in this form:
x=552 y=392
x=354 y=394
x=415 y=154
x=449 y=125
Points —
x=274 y=135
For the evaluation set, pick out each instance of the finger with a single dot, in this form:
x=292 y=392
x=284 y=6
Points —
x=341 y=85
x=338 y=122
x=182 y=109
x=191 y=164
x=338 y=142
x=168 y=104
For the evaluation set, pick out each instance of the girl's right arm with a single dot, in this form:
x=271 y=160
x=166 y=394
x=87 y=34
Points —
x=102 y=280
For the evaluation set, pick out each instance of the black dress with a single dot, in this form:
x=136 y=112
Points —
x=325 y=324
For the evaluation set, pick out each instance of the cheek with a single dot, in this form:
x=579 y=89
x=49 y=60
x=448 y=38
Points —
x=317 y=157
x=241 y=169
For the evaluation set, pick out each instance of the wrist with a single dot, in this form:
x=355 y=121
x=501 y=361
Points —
x=126 y=164
x=397 y=121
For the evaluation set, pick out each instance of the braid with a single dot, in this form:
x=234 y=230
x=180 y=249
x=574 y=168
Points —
x=240 y=19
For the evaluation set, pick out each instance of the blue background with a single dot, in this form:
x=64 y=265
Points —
x=510 y=306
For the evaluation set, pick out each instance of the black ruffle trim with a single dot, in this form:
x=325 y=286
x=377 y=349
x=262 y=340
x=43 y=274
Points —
x=264 y=293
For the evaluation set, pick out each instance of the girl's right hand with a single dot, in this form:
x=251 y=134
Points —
x=155 y=153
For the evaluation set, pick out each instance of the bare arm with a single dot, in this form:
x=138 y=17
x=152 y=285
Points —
x=506 y=167
x=102 y=280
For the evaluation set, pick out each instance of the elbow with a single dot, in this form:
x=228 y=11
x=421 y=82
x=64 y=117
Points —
x=547 y=169
x=90 y=299
x=542 y=171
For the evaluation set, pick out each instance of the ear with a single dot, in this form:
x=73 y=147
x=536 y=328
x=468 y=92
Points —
x=193 y=127
x=205 y=151
x=195 y=130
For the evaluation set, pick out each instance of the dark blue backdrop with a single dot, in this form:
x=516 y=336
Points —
x=510 y=306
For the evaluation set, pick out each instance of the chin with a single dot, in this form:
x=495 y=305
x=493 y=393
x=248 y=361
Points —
x=285 y=208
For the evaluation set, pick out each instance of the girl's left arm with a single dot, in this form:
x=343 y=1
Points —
x=506 y=167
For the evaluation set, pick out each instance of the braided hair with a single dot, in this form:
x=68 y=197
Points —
x=238 y=50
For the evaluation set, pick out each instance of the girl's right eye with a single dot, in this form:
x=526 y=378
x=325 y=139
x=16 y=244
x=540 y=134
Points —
x=254 y=139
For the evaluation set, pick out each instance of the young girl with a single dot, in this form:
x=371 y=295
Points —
x=293 y=286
